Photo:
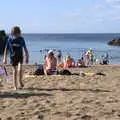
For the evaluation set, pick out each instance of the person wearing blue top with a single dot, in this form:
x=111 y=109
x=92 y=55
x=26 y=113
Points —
x=16 y=46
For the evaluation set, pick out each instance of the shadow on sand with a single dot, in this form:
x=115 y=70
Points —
x=22 y=95
x=66 y=89
x=27 y=94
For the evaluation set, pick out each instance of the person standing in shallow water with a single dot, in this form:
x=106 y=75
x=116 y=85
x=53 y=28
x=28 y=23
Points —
x=16 y=45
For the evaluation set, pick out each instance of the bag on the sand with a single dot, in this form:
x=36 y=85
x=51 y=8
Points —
x=3 y=74
x=100 y=73
x=65 y=72
x=39 y=70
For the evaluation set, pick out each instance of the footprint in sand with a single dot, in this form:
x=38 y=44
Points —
x=40 y=117
x=9 y=118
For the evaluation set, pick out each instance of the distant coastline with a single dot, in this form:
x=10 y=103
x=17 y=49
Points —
x=69 y=33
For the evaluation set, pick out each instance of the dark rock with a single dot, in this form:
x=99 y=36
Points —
x=114 y=42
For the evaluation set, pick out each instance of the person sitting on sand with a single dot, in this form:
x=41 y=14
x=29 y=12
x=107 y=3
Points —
x=50 y=63
x=105 y=59
x=69 y=62
x=16 y=45
x=80 y=62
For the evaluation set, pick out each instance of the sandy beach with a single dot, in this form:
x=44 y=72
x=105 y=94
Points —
x=57 y=97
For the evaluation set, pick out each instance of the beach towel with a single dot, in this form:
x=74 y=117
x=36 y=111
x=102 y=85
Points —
x=91 y=74
x=29 y=76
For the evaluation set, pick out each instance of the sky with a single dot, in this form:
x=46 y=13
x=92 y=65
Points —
x=61 y=16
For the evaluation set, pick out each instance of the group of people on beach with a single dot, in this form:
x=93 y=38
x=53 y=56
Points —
x=55 y=60
x=87 y=58
x=16 y=46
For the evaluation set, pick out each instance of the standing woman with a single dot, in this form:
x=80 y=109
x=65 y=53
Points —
x=16 y=45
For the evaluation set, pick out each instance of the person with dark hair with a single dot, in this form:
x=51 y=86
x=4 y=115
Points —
x=69 y=62
x=80 y=62
x=3 y=39
x=16 y=45
x=105 y=59
x=59 y=57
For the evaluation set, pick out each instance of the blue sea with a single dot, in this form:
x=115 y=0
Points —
x=73 y=44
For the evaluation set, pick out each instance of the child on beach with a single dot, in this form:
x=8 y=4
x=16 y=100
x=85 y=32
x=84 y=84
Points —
x=104 y=59
x=89 y=57
x=16 y=44
x=80 y=62
x=69 y=62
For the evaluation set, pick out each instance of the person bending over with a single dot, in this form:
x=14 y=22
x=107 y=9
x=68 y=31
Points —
x=16 y=45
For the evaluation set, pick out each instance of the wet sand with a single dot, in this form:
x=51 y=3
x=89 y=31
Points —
x=60 y=97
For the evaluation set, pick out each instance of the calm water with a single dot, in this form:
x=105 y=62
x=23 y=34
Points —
x=73 y=44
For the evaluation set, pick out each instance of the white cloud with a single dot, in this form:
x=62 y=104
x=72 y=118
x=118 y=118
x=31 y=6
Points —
x=74 y=13
x=100 y=19
x=112 y=0
x=117 y=6
x=113 y=3
x=116 y=18
x=99 y=6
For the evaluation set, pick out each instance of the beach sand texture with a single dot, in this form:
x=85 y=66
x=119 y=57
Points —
x=59 y=97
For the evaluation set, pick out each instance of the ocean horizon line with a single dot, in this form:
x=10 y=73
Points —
x=66 y=33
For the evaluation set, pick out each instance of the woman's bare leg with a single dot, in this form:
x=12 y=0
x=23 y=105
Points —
x=20 y=75
x=15 y=76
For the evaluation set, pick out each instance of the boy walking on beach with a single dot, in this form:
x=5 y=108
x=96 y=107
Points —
x=16 y=44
